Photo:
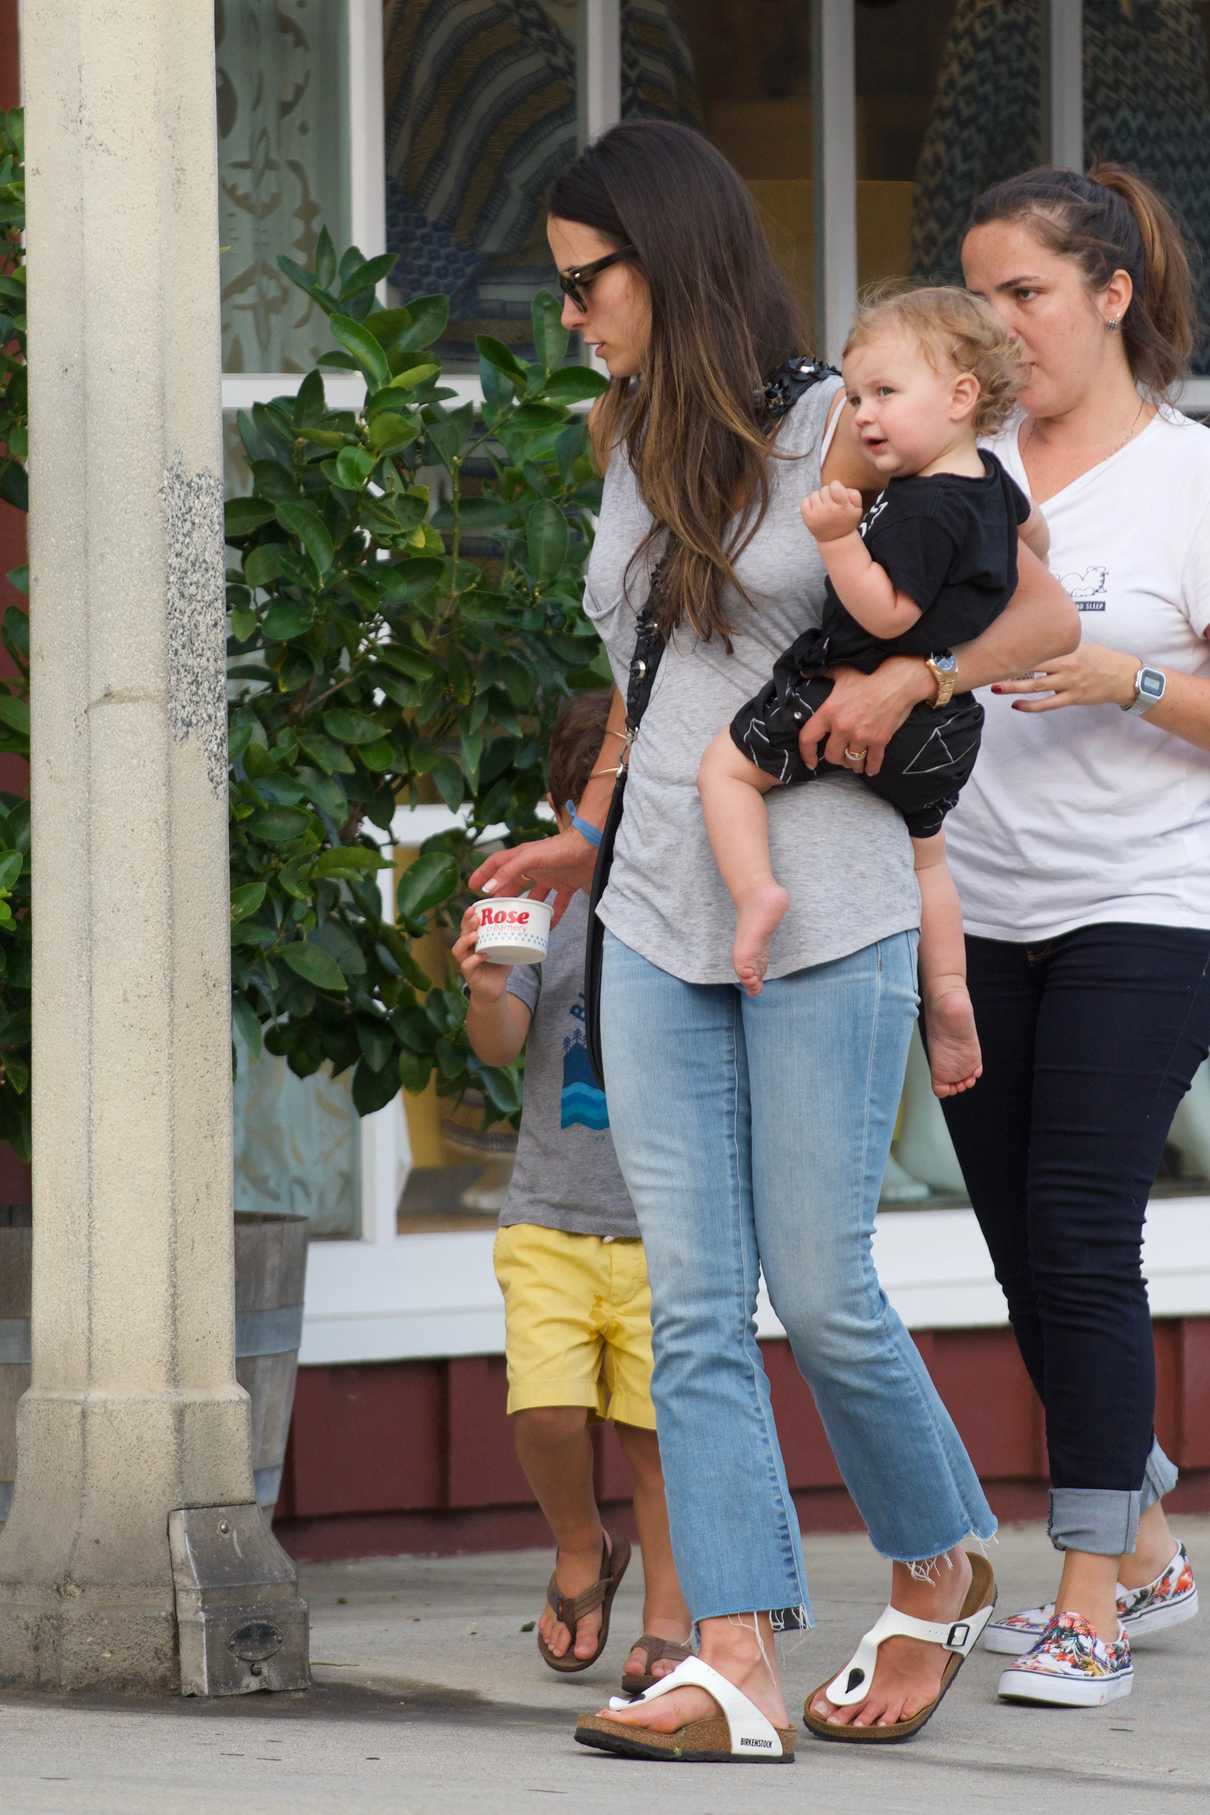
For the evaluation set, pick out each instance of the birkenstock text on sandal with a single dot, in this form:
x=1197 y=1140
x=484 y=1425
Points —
x=655 y=1650
x=569 y=1611
x=739 y=1734
x=852 y=1685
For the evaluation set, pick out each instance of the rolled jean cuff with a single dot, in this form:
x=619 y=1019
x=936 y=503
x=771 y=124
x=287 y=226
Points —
x=1159 y=1478
x=1101 y=1520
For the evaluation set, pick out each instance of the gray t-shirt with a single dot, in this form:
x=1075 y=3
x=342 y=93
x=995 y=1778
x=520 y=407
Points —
x=566 y=1174
x=843 y=854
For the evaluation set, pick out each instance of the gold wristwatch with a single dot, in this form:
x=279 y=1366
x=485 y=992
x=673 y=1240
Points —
x=943 y=666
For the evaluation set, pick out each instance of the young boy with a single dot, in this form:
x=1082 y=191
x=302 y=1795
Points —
x=570 y=1264
x=931 y=564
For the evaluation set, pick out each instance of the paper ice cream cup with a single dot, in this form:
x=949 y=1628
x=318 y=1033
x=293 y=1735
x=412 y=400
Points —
x=513 y=930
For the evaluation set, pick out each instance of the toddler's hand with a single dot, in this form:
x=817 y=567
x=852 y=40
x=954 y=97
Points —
x=833 y=512
x=484 y=981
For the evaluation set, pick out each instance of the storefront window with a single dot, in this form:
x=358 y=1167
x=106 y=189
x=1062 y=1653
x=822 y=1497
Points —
x=480 y=103
x=283 y=170
x=1147 y=104
x=746 y=83
x=297 y=1145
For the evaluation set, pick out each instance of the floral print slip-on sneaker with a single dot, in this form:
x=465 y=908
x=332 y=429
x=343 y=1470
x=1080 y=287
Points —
x=1070 y=1667
x=1171 y=1598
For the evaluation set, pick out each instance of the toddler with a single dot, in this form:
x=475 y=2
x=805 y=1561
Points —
x=568 y=1257
x=929 y=565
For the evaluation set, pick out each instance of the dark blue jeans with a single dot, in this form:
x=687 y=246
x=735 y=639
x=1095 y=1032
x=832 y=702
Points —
x=1089 y=1043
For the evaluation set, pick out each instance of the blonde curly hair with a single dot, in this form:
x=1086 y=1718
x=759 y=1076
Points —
x=952 y=329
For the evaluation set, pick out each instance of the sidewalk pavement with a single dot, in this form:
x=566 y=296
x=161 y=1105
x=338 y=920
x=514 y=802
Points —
x=430 y=1700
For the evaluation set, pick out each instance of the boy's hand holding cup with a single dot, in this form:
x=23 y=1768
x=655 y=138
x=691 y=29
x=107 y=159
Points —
x=485 y=982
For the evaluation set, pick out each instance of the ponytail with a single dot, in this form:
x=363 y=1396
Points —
x=1106 y=221
x=1159 y=327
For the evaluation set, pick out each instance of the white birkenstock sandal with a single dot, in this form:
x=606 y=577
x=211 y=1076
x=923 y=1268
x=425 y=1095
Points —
x=852 y=1684
x=738 y=1734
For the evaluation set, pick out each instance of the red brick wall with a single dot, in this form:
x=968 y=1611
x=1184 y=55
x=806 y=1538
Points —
x=417 y=1455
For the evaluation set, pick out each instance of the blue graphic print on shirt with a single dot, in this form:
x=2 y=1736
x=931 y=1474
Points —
x=582 y=1100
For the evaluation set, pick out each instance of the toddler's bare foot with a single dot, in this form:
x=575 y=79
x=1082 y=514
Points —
x=954 y=1056
x=757 y=918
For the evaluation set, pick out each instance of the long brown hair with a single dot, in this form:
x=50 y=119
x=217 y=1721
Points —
x=722 y=319
x=1106 y=221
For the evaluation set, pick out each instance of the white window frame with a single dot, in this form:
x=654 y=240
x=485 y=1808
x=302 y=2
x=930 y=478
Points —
x=385 y=1296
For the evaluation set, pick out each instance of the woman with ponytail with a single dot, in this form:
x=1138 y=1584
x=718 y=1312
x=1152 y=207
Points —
x=1082 y=855
x=753 y=1132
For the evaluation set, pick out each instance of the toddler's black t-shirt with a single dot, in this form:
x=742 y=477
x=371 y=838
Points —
x=950 y=544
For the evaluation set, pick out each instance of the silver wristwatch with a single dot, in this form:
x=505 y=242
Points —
x=1149 y=684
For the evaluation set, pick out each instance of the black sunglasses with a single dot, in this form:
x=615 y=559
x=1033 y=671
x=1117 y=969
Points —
x=572 y=282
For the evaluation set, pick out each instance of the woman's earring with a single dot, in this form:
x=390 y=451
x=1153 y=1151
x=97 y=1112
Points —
x=1114 y=323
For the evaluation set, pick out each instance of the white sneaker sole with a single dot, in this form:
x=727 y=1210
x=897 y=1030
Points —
x=1161 y=1616
x=1063 y=1691
x=1014 y=1641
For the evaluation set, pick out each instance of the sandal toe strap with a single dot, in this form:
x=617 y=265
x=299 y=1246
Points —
x=749 y=1731
x=852 y=1684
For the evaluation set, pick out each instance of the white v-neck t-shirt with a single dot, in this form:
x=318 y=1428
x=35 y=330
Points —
x=1089 y=815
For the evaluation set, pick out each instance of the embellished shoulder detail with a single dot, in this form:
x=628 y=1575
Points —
x=787 y=384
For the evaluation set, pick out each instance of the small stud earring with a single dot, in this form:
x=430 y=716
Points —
x=1114 y=323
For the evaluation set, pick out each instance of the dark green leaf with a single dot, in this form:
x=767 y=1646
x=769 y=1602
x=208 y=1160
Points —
x=389 y=431
x=305 y=522
x=573 y=384
x=550 y=336
x=377 y=1042
x=431 y=879
x=353 y=467
x=429 y=316
x=546 y=538
x=285 y=619
x=246 y=899
x=414 y=1071
x=448 y=777
x=350 y=727
x=330 y=756
x=364 y=348
x=245 y=515
x=373 y=1089
x=314 y=964
x=498 y=355
x=278 y=825
x=14 y=713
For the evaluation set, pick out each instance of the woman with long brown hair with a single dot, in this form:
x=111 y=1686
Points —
x=1082 y=852
x=753 y=1132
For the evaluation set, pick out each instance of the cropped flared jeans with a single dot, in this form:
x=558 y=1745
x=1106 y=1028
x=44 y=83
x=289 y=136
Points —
x=753 y=1133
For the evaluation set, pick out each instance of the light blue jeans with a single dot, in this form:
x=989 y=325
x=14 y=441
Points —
x=753 y=1134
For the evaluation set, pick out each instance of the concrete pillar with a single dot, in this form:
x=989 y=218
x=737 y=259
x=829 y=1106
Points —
x=134 y=1410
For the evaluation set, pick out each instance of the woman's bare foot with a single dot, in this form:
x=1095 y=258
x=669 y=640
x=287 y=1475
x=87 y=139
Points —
x=907 y=1676
x=734 y=1650
x=758 y=914
x=954 y=1056
x=575 y=1570
x=1155 y=1547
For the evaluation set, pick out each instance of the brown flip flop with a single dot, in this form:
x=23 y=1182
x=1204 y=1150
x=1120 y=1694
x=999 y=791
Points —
x=615 y=1555
x=959 y=1637
x=655 y=1650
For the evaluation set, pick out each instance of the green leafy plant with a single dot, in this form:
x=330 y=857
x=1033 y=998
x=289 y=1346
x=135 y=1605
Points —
x=404 y=623
x=403 y=619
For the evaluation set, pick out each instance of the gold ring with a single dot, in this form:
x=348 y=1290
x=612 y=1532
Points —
x=855 y=756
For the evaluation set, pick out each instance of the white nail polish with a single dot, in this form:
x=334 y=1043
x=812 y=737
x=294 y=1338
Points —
x=489 y=887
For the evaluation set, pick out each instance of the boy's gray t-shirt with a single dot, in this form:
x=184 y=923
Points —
x=566 y=1174
x=843 y=854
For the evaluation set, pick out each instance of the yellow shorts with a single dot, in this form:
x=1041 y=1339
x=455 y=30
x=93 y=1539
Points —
x=577 y=1312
